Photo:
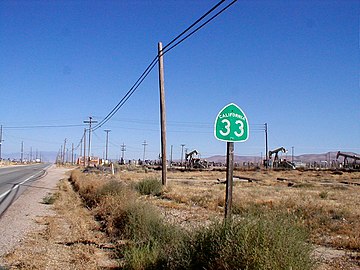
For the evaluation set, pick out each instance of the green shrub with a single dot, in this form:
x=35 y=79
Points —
x=141 y=257
x=111 y=187
x=149 y=186
x=323 y=194
x=50 y=198
x=151 y=239
x=256 y=241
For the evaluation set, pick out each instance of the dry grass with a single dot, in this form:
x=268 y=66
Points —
x=69 y=240
x=326 y=206
x=317 y=199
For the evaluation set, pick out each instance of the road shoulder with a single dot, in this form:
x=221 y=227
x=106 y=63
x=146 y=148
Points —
x=19 y=219
x=65 y=236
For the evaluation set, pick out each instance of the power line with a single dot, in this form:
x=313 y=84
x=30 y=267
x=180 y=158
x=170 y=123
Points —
x=44 y=126
x=192 y=25
x=155 y=60
x=199 y=27
x=128 y=94
x=80 y=142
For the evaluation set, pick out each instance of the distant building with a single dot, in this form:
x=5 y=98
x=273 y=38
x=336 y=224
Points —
x=93 y=161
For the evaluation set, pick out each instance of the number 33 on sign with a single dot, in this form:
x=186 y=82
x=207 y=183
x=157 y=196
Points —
x=231 y=124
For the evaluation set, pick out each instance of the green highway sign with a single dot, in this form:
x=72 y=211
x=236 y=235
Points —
x=231 y=124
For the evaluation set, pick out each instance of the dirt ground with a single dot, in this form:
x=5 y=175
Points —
x=71 y=238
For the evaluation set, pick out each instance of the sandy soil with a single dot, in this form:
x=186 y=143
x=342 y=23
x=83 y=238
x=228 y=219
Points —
x=19 y=219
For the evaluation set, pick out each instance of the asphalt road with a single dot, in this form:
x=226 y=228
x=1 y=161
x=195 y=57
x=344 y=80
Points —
x=15 y=179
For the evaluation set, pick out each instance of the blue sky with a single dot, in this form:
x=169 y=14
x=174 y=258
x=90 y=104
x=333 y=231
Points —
x=291 y=64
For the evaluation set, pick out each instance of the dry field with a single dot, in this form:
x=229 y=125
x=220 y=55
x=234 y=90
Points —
x=326 y=203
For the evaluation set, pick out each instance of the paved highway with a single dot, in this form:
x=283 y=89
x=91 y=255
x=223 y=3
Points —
x=15 y=179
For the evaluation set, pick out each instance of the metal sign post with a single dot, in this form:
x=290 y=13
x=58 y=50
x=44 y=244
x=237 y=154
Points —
x=229 y=177
x=231 y=125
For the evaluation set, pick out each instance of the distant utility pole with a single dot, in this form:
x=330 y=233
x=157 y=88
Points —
x=72 y=154
x=162 y=113
x=31 y=156
x=22 y=152
x=182 y=154
x=107 y=143
x=123 y=149
x=81 y=144
x=144 y=144
x=58 y=157
x=84 y=147
x=90 y=121
x=292 y=154
x=64 y=153
x=171 y=152
x=1 y=140
x=266 y=147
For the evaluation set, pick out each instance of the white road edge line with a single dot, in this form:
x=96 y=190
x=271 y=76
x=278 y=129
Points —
x=23 y=182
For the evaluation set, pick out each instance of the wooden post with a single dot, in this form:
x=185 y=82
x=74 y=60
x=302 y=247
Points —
x=229 y=178
x=64 y=154
x=84 y=147
x=72 y=153
x=266 y=146
x=162 y=113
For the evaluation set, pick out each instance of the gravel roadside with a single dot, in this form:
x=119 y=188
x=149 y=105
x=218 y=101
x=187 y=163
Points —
x=19 y=219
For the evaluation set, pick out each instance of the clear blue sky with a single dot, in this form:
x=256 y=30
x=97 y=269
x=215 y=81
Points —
x=291 y=64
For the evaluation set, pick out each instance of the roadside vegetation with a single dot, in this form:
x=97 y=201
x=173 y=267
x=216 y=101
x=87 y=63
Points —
x=281 y=220
x=253 y=239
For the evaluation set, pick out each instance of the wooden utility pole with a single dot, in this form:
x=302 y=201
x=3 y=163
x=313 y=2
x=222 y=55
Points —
x=84 y=147
x=22 y=152
x=123 y=149
x=107 y=143
x=89 y=146
x=229 y=178
x=162 y=113
x=72 y=154
x=81 y=144
x=182 y=154
x=266 y=147
x=144 y=144
x=63 y=161
x=171 y=152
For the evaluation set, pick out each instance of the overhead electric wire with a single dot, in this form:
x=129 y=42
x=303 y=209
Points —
x=80 y=142
x=155 y=60
x=199 y=27
x=45 y=126
x=195 y=23
x=128 y=94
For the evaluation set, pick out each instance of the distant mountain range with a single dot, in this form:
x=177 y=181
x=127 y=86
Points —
x=329 y=156
x=46 y=156
x=50 y=156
